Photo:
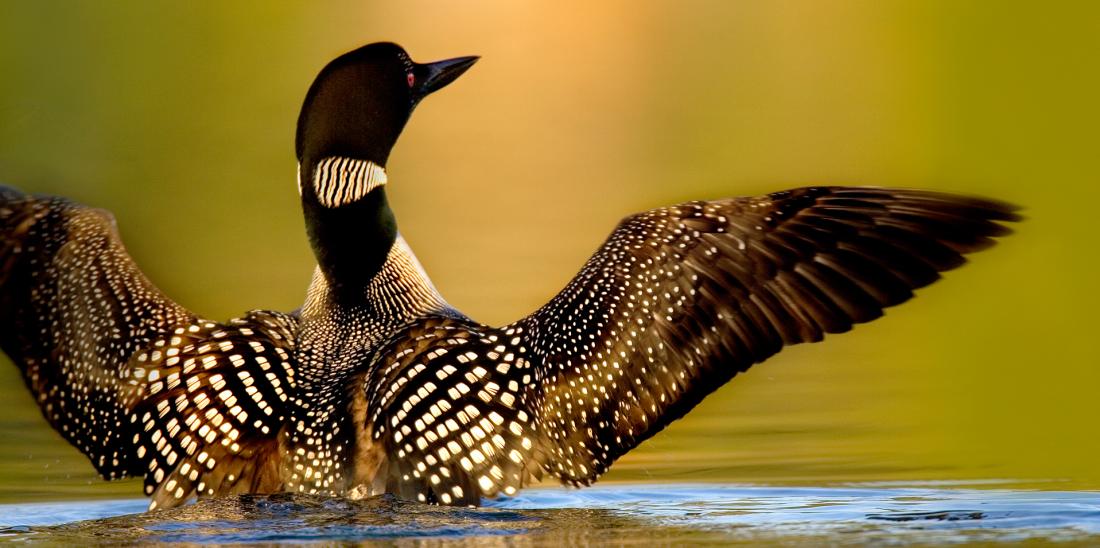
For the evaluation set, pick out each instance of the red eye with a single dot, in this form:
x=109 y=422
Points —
x=411 y=79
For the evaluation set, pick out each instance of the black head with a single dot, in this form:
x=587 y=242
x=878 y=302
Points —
x=360 y=102
x=351 y=118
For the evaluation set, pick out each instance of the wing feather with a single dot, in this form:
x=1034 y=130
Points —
x=676 y=302
x=208 y=403
x=688 y=296
x=73 y=309
x=452 y=410
x=137 y=383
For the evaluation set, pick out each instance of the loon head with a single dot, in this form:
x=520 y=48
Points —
x=351 y=118
x=353 y=114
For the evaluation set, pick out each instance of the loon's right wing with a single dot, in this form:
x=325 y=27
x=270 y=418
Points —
x=680 y=299
x=676 y=302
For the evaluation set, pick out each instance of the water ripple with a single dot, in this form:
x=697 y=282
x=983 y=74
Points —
x=623 y=514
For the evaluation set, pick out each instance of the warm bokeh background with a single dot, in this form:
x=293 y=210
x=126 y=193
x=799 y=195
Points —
x=179 y=118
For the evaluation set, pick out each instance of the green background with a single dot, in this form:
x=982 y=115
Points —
x=179 y=118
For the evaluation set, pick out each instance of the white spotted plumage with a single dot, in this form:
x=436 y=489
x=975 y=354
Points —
x=395 y=391
x=74 y=309
x=208 y=404
x=378 y=385
x=321 y=431
x=673 y=305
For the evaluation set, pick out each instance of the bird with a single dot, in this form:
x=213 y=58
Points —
x=377 y=385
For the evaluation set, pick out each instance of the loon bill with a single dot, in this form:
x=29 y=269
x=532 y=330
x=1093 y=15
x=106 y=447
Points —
x=377 y=385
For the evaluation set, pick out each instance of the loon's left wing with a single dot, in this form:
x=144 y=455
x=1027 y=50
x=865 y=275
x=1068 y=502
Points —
x=208 y=403
x=137 y=383
x=74 y=308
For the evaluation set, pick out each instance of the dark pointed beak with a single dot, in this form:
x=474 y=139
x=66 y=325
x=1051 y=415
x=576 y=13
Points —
x=433 y=76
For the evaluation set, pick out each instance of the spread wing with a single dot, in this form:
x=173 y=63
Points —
x=138 y=384
x=451 y=404
x=73 y=309
x=681 y=299
x=208 y=402
x=676 y=302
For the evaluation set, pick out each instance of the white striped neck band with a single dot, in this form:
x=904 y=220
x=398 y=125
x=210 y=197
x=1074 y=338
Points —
x=340 y=181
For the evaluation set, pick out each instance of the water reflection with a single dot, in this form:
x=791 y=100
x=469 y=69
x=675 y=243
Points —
x=623 y=514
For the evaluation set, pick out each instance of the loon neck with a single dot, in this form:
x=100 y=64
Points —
x=350 y=224
x=398 y=293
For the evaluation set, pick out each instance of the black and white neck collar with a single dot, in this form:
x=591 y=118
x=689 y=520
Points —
x=339 y=181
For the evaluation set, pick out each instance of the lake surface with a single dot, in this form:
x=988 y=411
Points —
x=623 y=514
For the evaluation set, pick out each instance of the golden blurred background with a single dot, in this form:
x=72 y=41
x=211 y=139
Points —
x=179 y=118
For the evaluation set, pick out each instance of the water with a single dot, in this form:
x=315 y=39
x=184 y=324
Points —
x=913 y=514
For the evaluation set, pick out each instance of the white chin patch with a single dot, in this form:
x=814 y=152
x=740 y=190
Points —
x=340 y=181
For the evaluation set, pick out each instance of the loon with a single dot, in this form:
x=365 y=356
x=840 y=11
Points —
x=377 y=385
